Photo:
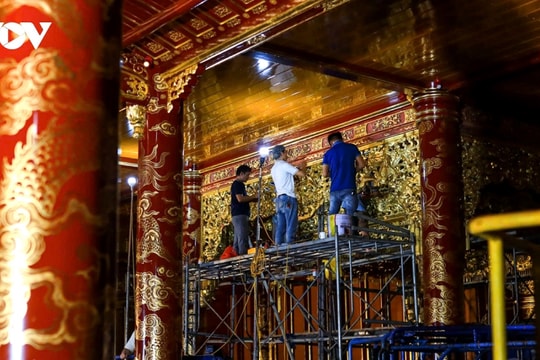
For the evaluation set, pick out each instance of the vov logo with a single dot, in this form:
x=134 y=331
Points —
x=13 y=35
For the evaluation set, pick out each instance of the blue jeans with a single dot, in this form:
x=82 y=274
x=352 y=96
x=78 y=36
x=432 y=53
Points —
x=286 y=219
x=343 y=198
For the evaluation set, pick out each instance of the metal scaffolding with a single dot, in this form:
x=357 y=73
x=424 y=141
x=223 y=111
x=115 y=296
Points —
x=441 y=342
x=314 y=295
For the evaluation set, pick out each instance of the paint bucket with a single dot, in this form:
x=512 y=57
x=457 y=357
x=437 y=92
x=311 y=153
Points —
x=342 y=222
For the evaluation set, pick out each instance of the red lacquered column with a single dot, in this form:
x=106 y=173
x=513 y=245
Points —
x=158 y=273
x=443 y=234
x=192 y=213
x=58 y=146
x=158 y=330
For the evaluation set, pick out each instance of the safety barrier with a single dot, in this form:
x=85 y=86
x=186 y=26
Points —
x=402 y=342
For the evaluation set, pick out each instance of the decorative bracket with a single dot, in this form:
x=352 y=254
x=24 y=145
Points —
x=136 y=115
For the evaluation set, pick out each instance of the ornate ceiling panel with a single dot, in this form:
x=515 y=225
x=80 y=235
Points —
x=183 y=34
x=261 y=103
x=326 y=58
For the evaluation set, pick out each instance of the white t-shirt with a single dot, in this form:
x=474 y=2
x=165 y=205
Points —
x=130 y=345
x=283 y=177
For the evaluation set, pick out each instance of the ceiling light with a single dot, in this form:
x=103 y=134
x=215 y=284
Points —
x=147 y=61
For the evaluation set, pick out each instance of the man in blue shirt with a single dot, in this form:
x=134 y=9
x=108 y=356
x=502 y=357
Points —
x=341 y=163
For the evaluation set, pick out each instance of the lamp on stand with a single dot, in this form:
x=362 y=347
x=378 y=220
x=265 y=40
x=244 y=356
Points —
x=257 y=265
x=263 y=153
x=132 y=181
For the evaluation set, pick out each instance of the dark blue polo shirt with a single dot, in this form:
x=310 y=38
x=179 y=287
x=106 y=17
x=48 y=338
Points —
x=341 y=163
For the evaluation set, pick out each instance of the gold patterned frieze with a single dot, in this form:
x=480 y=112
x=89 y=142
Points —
x=154 y=46
x=366 y=131
x=331 y=4
x=164 y=57
x=186 y=46
x=361 y=129
x=234 y=22
x=221 y=11
x=176 y=37
x=261 y=9
x=250 y=5
x=220 y=175
x=209 y=35
x=387 y=122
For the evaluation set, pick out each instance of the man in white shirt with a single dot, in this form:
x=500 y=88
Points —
x=283 y=175
x=129 y=347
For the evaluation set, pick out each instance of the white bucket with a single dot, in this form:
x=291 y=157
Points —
x=343 y=223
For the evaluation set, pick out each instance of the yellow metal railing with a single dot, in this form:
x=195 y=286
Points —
x=495 y=228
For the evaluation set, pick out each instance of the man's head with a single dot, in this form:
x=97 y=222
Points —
x=332 y=138
x=278 y=151
x=243 y=172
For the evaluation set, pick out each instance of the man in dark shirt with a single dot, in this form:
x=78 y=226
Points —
x=240 y=209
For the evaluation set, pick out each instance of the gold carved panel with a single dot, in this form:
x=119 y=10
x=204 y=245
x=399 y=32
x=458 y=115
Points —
x=391 y=173
x=498 y=177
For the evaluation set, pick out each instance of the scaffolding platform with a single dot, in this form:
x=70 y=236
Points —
x=302 y=256
x=312 y=296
